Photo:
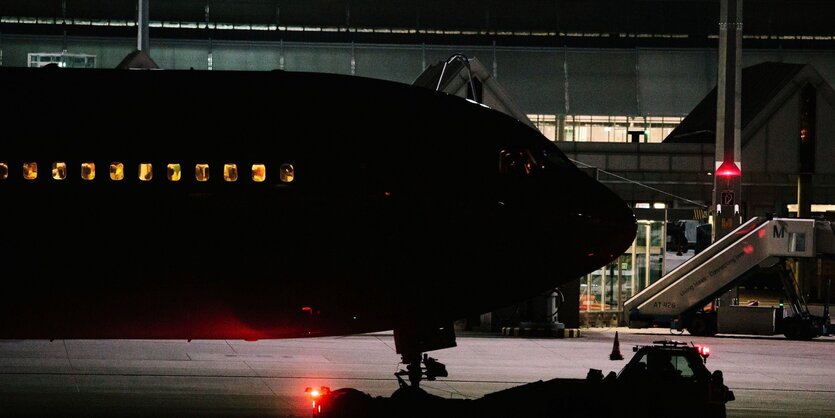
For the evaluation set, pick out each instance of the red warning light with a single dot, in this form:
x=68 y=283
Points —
x=704 y=351
x=315 y=397
x=728 y=169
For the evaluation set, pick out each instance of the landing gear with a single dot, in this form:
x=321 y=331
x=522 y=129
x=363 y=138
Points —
x=431 y=369
x=412 y=342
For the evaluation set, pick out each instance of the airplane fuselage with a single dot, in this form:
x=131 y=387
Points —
x=357 y=205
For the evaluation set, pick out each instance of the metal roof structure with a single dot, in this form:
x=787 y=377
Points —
x=765 y=87
x=592 y=23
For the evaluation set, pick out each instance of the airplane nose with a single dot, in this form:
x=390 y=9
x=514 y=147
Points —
x=600 y=224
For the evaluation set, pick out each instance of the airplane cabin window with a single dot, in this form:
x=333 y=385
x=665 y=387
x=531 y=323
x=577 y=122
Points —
x=30 y=170
x=59 y=170
x=117 y=171
x=286 y=173
x=201 y=172
x=516 y=162
x=88 y=171
x=146 y=171
x=230 y=172
x=259 y=172
x=174 y=173
x=4 y=171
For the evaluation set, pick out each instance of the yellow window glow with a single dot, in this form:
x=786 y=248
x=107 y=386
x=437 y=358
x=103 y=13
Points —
x=88 y=171
x=146 y=171
x=286 y=173
x=59 y=170
x=259 y=172
x=201 y=172
x=117 y=171
x=230 y=172
x=30 y=170
x=4 y=171
x=174 y=172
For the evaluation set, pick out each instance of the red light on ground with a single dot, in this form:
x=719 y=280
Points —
x=590 y=254
x=761 y=233
x=728 y=169
x=748 y=249
x=307 y=309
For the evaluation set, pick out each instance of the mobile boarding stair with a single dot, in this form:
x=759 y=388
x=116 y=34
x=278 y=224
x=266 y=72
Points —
x=679 y=298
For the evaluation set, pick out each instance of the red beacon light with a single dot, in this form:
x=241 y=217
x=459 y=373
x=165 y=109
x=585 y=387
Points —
x=316 y=397
x=704 y=351
x=728 y=169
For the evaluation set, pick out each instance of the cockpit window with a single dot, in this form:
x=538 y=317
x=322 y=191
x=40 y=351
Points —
x=516 y=162
x=556 y=158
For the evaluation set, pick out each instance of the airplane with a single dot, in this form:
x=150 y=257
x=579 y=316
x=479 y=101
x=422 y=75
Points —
x=181 y=204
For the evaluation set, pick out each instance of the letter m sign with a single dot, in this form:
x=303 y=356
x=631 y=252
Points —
x=778 y=233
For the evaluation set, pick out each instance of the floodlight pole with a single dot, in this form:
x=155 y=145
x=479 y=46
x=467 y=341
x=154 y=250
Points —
x=727 y=178
x=143 y=42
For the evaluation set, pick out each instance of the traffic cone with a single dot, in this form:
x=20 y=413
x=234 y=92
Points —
x=616 y=350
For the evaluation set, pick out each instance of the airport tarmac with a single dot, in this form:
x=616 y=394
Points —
x=769 y=375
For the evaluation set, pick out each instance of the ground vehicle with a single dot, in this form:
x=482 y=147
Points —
x=668 y=378
x=673 y=370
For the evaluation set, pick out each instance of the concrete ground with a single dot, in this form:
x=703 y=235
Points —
x=769 y=375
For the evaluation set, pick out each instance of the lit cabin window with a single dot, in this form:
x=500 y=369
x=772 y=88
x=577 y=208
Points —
x=59 y=170
x=146 y=171
x=174 y=172
x=259 y=172
x=117 y=171
x=286 y=173
x=201 y=172
x=88 y=171
x=4 y=171
x=30 y=170
x=230 y=172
